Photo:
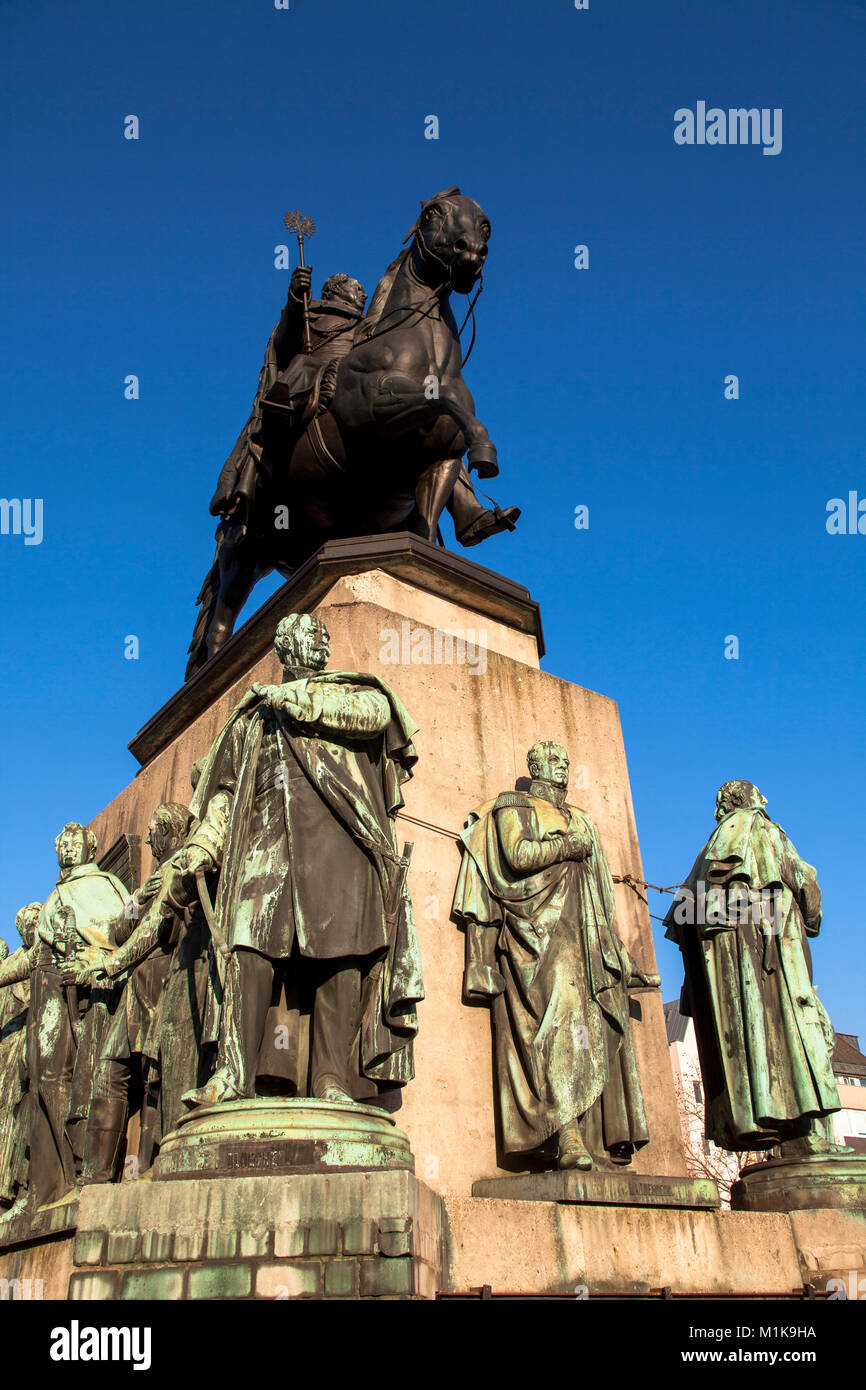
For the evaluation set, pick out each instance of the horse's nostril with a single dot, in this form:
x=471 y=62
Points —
x=461 y=244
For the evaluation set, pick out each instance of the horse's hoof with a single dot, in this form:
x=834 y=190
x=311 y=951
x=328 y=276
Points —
x=483 y=459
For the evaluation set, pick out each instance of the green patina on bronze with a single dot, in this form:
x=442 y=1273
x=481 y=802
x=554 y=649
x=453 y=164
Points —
x=296 y=801
x=537 y=900
x=279 y=898
x=14 y=1012
x=66 y=1023
x=764 y=1040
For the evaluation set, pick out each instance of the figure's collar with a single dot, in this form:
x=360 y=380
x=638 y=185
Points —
x=337 y=306
x=548 y=792
x=77 y=871
x=298 y=673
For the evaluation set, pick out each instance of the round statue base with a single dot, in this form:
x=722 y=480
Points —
x=801 y=1184
x=252 y=1138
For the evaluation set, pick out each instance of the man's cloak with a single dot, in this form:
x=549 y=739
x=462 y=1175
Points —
x=764 y=1040
x=310 y=859
x=544 y=948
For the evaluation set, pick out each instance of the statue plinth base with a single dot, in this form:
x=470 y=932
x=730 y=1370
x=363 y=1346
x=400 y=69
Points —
x=811 y=1182
x=247 y=1138
x=603 y=1187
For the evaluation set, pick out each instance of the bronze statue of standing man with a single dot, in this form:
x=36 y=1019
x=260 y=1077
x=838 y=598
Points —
x=537 y=900
x=743 y=923
x=312 y=896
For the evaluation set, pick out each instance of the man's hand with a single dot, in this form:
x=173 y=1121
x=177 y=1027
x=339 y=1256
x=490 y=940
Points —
x=288 y=699
x=179 y=877
x=301 y=283
x=577 y=845
x=86 y=968
x=148 y=889
x=190 y=858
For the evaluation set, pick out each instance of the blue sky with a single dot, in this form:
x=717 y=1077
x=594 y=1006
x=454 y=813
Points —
x=602 y=387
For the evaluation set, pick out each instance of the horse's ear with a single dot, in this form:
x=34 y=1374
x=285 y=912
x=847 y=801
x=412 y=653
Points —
x=453 y=192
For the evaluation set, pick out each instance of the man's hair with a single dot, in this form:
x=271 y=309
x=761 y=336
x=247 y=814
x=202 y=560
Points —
x=732 y=795
x=90 y=839
x=538 y=750
x=22 y=917
x=177 y=818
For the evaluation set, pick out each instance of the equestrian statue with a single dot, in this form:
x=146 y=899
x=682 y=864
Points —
x=361 y=420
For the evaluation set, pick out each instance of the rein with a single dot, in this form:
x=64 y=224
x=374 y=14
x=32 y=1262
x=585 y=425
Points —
x=423 y=308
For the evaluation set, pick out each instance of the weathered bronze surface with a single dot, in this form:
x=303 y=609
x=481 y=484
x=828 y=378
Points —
x=360 y=422
x=14 y=1009
x=743 y=923
x=603 y=1187
x=813 y=1181
x=268 y=1136
x=147 y=939
x=537 y=900
x=296 y=805
x=66 y=1023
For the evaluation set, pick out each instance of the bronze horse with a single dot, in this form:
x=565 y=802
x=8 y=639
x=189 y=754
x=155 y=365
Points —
x=386 y=453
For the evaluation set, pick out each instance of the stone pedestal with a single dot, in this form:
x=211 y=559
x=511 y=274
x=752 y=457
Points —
x=249 y=1137
x=461 y=646
x=813 y=1181
x=292 y=1200
x=339 y=1235
x=603 y=1187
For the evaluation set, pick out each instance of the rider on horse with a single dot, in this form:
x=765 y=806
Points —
x=299 y=384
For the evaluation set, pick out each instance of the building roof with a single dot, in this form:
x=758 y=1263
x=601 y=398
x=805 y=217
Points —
x=676 y=1024
x=848 y=1060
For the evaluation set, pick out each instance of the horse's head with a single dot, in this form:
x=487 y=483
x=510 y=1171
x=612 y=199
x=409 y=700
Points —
x=453 y=231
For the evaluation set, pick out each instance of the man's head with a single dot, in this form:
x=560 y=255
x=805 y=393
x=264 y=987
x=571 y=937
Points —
x=75 y=845
x=548 y=762
x=346 y=290
x=25 y=920
x=734 y=795
x=168 y=828
x=302 y=640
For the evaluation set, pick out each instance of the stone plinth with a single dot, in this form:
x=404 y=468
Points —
x=818 y=1181
x=391 y=604
x=596 y=1251
x=603 y=1187
x=250 y=1137
x=340 y=1235
x=36 y=1251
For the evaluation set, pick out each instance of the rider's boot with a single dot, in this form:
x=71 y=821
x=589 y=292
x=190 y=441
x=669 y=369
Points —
x=489 y=523
x=472 y=522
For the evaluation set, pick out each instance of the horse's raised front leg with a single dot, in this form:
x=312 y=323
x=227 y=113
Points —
x=399 y=404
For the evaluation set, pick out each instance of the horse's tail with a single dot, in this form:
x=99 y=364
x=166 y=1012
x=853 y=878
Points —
x=207 y=598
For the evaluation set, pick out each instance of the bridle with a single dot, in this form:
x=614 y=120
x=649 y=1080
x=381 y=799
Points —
x=424 y=307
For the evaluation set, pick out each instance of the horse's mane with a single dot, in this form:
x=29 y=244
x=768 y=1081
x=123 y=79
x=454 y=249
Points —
x=380 y=297
x=386 y=284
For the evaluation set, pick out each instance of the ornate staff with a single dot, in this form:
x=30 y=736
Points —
x=304 y=227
